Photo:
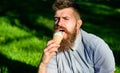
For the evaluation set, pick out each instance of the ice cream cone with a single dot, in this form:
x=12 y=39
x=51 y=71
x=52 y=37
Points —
x=58 y=36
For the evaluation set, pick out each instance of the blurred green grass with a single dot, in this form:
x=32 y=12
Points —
x=26 y=26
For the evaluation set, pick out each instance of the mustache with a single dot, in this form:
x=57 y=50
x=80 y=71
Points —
x=61 y=28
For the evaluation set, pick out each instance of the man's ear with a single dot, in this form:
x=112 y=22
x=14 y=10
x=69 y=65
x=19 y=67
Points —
x=79 y=24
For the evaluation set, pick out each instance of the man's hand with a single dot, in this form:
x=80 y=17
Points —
x=49 y=52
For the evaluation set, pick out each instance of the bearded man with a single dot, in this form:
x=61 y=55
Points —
x=79 y=51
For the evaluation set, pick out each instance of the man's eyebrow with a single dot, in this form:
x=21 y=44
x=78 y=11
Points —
x=62 y=17
x=67 y=16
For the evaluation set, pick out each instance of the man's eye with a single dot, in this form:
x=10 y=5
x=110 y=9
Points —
x=66 y=18
x=56 y=19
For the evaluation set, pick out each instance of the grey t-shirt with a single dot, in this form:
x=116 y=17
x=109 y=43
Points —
x=90 y=54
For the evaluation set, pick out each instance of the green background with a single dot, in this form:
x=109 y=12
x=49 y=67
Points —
x=27 y=25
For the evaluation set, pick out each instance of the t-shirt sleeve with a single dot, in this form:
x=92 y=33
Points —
x=103 y=58
x=52 y=66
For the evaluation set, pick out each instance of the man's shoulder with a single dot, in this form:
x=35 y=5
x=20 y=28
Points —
x=90 y=38
x=92 y=41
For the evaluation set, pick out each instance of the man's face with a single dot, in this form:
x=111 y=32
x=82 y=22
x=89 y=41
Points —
x=65 y=21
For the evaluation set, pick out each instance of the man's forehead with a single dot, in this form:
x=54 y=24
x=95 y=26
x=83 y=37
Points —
x=64 y=12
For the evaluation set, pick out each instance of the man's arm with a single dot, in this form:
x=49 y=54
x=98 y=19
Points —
x=104 y=59
x=49 y=52
x=42 y=68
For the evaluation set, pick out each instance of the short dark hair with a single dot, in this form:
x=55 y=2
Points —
x=61 y=4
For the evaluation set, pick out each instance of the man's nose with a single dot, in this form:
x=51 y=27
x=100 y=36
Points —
x=60 y=22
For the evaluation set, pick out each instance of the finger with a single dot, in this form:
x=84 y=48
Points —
x=52 y=54
x=52 y=46
x=46 y=58
x=50 y=42
x=53 y=50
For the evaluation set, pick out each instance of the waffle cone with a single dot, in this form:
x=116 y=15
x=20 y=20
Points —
x=57 y=37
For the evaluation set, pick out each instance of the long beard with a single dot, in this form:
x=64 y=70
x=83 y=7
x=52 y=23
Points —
x=67 y=44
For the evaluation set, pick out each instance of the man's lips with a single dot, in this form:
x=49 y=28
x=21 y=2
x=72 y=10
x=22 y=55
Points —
x=60 y=29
